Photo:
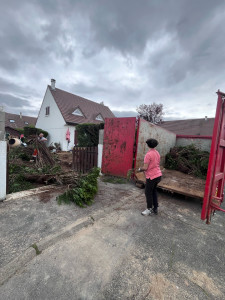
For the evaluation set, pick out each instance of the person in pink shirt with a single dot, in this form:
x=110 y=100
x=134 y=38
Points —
x=153 y=177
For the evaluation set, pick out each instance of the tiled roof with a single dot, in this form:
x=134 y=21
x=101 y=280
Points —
x=68 y=102
x=11 y=131
x=200 y=127
x=19 y=121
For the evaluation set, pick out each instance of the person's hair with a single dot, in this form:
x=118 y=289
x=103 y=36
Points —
x=152 y=143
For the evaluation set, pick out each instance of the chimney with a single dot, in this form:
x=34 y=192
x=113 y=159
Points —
x=206 y=118
x=53 y=84
x=20 y=115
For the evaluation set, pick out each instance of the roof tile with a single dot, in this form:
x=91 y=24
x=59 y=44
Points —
x=200 y=127
x=20 y=121
x=68 y=102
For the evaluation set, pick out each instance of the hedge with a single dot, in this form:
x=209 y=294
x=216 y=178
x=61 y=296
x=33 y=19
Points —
x=88 y=134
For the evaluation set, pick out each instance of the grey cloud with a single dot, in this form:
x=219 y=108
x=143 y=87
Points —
x=123 y=114
x=81 y=88
x=15 y=88
x=42 y=39
x=12 y=102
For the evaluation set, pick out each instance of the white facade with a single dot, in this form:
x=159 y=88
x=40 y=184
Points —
x=54 y=123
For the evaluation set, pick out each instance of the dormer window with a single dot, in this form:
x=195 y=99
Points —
x=12 y=121
x=78 y=112
x=99 y=118
x=47 y=110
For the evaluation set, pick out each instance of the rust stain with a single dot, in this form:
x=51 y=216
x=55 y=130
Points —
x=123 y=146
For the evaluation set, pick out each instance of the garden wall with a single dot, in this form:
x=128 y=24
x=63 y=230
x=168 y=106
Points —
x=202 y=143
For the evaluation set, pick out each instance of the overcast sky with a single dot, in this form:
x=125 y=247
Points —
x=122 y=52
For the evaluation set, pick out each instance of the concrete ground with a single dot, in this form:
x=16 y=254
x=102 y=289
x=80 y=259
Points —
x=109 y=250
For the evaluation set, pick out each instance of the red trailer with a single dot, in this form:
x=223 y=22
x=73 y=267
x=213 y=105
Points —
x=214 y=188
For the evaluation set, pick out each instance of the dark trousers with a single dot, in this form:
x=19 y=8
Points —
x=151 y=193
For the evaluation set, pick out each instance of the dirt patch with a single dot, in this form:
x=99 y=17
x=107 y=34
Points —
x=47 y=195
x=206 y=283
x=65 y=161
x=161 y=288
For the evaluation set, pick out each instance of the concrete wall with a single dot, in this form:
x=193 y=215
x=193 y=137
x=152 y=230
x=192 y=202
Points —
x=148 y=130
x=3 y=165
x=54 y=123
x=200 y=143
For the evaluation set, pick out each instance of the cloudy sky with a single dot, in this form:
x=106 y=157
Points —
x=122 y=52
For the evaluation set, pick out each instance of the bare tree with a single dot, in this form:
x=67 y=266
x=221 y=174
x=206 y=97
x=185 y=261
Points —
x=152 y=112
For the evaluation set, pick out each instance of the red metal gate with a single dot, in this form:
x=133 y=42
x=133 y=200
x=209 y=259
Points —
x=118 y=146
x=214 y=188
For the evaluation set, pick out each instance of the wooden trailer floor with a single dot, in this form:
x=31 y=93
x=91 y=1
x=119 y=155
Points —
x=178 y=182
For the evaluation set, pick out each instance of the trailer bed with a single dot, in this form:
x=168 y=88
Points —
x=178 y=182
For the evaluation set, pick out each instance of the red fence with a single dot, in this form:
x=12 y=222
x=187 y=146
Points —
x=84 y=158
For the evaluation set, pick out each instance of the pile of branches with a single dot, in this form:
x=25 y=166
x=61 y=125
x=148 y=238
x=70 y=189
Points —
x=82 y=190
x=189 y=160
x=44 y=156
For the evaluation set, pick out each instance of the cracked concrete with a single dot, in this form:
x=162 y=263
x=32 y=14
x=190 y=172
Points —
x=119 y=254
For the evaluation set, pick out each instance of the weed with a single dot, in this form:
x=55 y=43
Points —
x=36 y=249
x=112 y=179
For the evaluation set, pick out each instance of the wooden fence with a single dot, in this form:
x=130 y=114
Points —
x=84 y=158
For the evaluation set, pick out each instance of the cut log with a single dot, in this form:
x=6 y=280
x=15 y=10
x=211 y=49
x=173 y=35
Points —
x=68 y=178
x=47 y=179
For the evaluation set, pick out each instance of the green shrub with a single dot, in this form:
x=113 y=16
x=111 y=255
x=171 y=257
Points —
x=30 y=130
x=24 y=156
x=18 y=183
x=14 y=169
x=88 y=134
x=83 y=194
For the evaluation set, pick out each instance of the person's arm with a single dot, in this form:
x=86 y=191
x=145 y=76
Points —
x=144 y=168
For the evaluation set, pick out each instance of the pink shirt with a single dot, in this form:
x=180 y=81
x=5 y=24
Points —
x=152 y=158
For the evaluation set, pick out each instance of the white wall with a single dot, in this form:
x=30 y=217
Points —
x=147 y=130
x=3 y=164
x=54 y=123
x=200 y=143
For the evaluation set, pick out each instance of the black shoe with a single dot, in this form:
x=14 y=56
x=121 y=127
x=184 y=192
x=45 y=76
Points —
x=155 y=211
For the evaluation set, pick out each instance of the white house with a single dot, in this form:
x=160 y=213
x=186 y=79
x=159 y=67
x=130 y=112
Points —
x=61 y=111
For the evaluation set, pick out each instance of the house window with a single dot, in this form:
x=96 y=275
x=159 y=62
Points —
x=99 y=118
x=26 y=123
x=78 y=112
x=47 y=110
x=12 y=121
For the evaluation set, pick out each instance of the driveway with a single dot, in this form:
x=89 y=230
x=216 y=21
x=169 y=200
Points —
x=110 y=251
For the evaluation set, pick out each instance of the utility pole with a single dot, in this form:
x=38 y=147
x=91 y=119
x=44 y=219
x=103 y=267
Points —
x=3 y=156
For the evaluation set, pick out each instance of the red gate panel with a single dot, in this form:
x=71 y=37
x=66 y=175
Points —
x=118 y=146
x=216 y=173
